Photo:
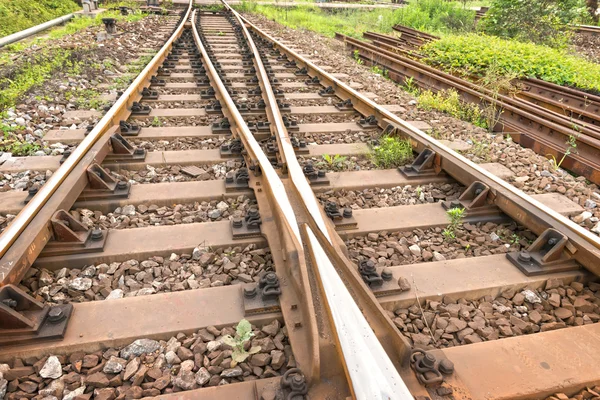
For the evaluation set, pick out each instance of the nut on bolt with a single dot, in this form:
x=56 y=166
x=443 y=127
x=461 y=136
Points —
x=56 y=314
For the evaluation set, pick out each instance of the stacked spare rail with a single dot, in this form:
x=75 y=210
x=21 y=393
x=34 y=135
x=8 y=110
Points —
x=222 y=232
x=540 y=115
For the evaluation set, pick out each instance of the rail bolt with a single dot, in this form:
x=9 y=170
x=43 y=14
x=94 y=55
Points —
x=97 y=234
x=386 y=274
x=250 y=293
x=56 y=314
x=524 y=256
x=446 y=366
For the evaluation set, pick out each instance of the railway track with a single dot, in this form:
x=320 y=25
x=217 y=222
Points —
x=204 y=197
x=541 y=116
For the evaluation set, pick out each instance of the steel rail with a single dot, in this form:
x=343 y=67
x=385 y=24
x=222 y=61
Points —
x=370 y=371
x=516 y=204
x=12 y=232
x=517 y=115
x=273 y=181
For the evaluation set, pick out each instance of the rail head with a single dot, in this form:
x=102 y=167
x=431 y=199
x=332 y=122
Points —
x=121 y=106
x=512 y=201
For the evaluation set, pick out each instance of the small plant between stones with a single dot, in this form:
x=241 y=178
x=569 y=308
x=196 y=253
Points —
x=456 y=216
x=243 y=335
x=392 y=152
x=571 y=148
x=357 y=58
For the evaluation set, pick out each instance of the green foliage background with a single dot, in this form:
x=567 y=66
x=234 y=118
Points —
x=16 y=15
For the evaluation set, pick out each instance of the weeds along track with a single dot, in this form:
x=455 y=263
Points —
x=243 y=224
x=550 y=119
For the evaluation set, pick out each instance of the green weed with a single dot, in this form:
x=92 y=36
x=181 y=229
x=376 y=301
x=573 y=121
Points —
x=456 y=216
x=449 y=101
x=243 y=335
x=571 y=148
x=335 y=162
x=392 y=152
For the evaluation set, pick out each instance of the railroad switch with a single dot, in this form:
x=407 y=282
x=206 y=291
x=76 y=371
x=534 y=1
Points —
x=551 y=252
x=341 y=219
x=102 y=185
x=247 y=227
x=428 y=369
x=237 y=181
x=123 y=151
x=24 y=319
x=72 y=237
x=477 y=200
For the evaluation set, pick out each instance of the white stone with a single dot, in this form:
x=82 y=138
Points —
x=52 y=368
x=128 y=210
x=80 y=283
x=582 y=217
x=202 y=376
x=222 y=206
x=77 y=392
x=415 y=249
x=531 y=296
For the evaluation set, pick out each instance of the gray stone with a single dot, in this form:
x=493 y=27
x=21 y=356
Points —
x=590 y=204
x=582 y=217
x=232 y=372
x=82 y=284
x=214 y=214
x=3 y=384
x=128 y=210
x=77 y=392
x=531 y=296
x=114 y=365
x=185 y=380
x=52 y=368
x=202 y=376
x=415 y=249
x=115 y=294
x=139 y=347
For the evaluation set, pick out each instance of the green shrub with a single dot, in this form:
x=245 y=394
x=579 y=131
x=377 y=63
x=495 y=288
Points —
x=392 y=152
x=539 y=21
x=474 y=54
x=17 y=15
x=431 y=15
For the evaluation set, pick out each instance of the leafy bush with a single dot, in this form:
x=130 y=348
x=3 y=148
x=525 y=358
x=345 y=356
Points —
x=34 y=73
x=392 y=152
x=431 y=15
x=436 y=16
x=474 y=54
x=17 y=15
x=539 y=21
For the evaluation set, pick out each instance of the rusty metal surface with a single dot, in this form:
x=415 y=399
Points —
x=513 y=202
x=531 y=125
x=24 y=239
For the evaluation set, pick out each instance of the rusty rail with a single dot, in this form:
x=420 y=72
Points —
x=24 y=239
x=529 y=124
